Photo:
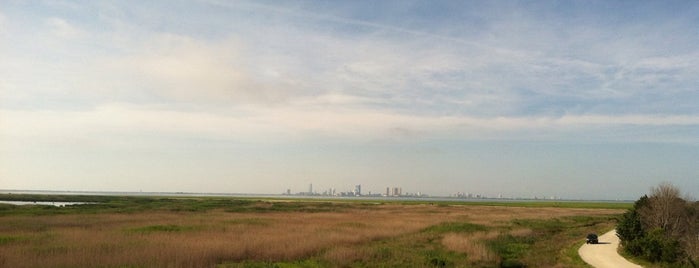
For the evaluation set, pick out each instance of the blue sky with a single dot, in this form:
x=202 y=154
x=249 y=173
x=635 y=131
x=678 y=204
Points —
x=575 y=99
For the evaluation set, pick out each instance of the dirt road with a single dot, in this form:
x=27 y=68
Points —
x=604 y=254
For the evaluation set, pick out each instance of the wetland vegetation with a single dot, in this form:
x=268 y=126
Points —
x=136 y=231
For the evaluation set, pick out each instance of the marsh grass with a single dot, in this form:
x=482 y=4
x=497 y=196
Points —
x=9 y=239
x=473 y=245
x=205 y=232
x=162 y=228
x=249 y=221
x=458 y=227
x=548 y=242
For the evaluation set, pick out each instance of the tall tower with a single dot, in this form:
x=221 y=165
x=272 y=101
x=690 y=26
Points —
x=310 y=188
x=358 y=189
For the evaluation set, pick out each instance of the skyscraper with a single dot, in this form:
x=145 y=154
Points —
x=397 y=191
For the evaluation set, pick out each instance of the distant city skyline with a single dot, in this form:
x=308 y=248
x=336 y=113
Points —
x=577 y=99
x=397 y=191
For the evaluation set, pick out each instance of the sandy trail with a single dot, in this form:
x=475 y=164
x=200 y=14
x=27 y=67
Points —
x=604 y=254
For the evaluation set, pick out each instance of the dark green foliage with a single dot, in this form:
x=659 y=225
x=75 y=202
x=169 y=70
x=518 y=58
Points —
x=653 y=244
x=641 y=202
x=657 y=247
x=630 y=230
x=629 y=227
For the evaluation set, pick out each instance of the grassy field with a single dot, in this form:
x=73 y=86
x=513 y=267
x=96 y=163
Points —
x=226 y=232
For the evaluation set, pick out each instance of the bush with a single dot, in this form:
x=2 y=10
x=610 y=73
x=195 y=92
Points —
x=657 y=247
x=660 y=228
x=629 y=228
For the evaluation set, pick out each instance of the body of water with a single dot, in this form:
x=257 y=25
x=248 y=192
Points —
x=40 y=203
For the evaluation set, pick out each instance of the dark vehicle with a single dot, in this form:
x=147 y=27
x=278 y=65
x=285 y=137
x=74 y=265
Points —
x=591 y=239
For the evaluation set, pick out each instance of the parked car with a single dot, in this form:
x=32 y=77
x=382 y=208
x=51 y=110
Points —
x=591 y=239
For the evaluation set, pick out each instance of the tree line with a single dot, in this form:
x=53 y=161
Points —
x=662 y=227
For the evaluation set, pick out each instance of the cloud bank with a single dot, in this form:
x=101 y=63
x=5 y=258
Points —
x=310 y=72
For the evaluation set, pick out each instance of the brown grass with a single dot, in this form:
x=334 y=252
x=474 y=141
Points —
x=204 y=239
x=471 y=244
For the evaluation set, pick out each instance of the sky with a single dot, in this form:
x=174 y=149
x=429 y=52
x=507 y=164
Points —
x=572 y=99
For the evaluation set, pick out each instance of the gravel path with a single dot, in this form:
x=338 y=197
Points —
x=604 y=254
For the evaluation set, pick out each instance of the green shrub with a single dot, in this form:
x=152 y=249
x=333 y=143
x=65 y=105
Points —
x=657 y=247
x=653 y=230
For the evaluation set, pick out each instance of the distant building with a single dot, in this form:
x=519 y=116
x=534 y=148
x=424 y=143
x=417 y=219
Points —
x=358 y=190
x=397 y=191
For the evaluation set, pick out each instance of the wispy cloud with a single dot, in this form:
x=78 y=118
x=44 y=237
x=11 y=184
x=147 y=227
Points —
x=63 y=29
x=385 y=77
x=311 y=120
x=186 y=73
x=3 y=22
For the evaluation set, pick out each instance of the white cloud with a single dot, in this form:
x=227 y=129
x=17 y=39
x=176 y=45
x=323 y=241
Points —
x=304 y=121
x=175 y=84
x=667 y=73
x=3 y=24
x=295 y=79
x=61 y=28
x=185 y=69
x=639 y=120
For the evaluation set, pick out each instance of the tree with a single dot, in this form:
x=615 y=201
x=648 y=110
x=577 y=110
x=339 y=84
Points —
x=662 y=227
x=691 y=240
x=665 y=210
x=630 y=227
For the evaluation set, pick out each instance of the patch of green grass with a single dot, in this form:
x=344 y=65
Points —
x=572 y=256
x=511 y=248
x=50 y=250
x=441 y=258
x=455 y=227
x=642 y=262
x=250 y=221
x=551 y=242
x=351 y=225
x=543 y=226
x=5 y=239
x=308 y=263
x=313 y=207
x=170 y=228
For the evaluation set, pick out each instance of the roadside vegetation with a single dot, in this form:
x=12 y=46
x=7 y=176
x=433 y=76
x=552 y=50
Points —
x=662 y=229
x=227 y=232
